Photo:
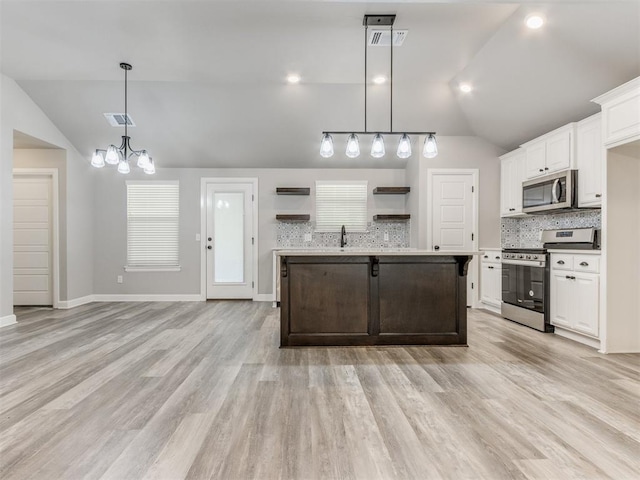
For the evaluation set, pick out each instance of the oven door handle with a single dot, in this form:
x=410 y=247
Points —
x=526 y=263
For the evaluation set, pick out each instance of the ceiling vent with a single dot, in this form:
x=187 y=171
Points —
x=119 y=119
x=380 y=38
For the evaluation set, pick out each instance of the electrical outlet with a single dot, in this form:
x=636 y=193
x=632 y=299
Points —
x=386 y=236
x=307 y=237
x=197 y=237
x=119 y=279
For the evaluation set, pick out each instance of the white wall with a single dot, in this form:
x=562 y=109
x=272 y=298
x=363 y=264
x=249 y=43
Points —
x=18 y=112
x=111 y=226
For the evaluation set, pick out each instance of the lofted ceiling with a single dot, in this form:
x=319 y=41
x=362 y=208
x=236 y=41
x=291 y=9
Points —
x=208 y=86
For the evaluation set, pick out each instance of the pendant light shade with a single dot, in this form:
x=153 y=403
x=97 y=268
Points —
x=430 y=149
x=123 y=166
x=404 y=146
x=97 y=160
x=143 y=159
x=353 y=147
x=326 y=146
x=377 y=147
x=112 y=157
x=150 y=168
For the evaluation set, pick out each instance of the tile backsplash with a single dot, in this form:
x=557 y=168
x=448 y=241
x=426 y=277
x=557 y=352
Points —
x=525 y=232
x=292 y=235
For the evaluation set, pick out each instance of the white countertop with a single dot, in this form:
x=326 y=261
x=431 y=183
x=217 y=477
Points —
x=490 y=249
x=574 y=252
x=360 y=252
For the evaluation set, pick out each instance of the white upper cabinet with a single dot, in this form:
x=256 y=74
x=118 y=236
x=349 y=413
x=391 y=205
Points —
x=621 y=113
x=550 y=153
x=590 y=154
x=511 y=177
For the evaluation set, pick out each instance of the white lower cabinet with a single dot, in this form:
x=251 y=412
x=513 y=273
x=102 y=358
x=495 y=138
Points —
x=491 y=279
x=575 y=294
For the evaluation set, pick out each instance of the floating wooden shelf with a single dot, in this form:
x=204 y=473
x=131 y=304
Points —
x=392 y=218
x=293 y=191
x=293 y=218
x=391 y=190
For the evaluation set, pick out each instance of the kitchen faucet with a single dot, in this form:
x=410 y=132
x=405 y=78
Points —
x=343 y=237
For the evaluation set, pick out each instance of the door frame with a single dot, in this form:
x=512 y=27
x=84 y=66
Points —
x=474 y=264
x=204 y=181
x=55 y=218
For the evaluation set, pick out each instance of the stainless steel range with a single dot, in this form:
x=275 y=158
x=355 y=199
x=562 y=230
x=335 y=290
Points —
x=526 y=278
x=525 y=287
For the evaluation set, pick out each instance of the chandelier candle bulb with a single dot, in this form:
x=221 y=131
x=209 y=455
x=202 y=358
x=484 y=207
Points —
x=112 y=157
x=150 y=168
x=123 y=166
x=143 y=159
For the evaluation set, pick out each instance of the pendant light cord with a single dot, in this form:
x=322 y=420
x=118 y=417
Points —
x=126 y=116
x=366 y=37
x=391 y=85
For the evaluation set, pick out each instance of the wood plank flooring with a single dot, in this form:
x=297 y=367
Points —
x=201 y=390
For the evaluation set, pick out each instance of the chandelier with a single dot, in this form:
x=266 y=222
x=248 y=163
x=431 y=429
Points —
x=430 y=147
x=121 y=155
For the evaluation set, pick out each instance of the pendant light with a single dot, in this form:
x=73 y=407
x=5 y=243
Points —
x=404 y=151
x=121 y=155
x=326 y=146
x=404 y=146
x=377 y=147
x=353 y=146
x=430 y=149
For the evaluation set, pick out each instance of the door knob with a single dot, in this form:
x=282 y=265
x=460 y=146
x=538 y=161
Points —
x=209 y=247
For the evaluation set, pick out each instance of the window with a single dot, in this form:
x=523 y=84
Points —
x=152 y=225
x=341 y=203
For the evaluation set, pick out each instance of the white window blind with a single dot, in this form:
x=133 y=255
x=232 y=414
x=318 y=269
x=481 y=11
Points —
x=341 y=203
x=152 y=224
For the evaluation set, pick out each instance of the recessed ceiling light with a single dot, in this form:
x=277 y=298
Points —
x=465 y=88
x=293 y=78
x=534 y=21
x=379 y=80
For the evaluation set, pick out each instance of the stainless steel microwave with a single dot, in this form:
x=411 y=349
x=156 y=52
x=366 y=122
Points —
x=558 y=191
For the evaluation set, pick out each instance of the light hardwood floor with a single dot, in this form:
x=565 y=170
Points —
x=201 y=390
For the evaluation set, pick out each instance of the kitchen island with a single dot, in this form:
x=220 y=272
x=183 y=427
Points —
x=348 y=297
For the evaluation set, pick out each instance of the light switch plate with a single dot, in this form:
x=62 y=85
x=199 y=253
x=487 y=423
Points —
x=197 y=237
x=119 y=279
x=307 y=237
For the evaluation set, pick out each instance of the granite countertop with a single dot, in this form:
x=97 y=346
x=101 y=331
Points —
x=574 y=252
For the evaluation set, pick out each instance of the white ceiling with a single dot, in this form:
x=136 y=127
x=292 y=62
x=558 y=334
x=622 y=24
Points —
x=208 y=83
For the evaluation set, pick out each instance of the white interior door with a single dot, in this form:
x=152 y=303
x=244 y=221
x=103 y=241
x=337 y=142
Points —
x=453 y=218
x=32 y=240
x=229 y=240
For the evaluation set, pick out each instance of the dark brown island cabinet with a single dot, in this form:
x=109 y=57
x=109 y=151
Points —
x=373 y=299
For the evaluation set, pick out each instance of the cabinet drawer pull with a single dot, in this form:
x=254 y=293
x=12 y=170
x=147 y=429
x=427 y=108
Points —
x=546 y=168
x=584 y=264
x=598 y=195
x=490 y=267
x=542 y=170
x=569 y=277
x=486 y=256
x=560 y=262
x=497 y=257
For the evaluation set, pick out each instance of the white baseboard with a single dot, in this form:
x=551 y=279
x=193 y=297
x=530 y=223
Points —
x=8 y=320
x=147 y=298
x=263 y=297
x=76 y=302
x=576 y=337
x=491 y=308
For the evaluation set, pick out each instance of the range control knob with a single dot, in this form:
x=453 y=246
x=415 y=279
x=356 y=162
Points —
x=528 y=257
